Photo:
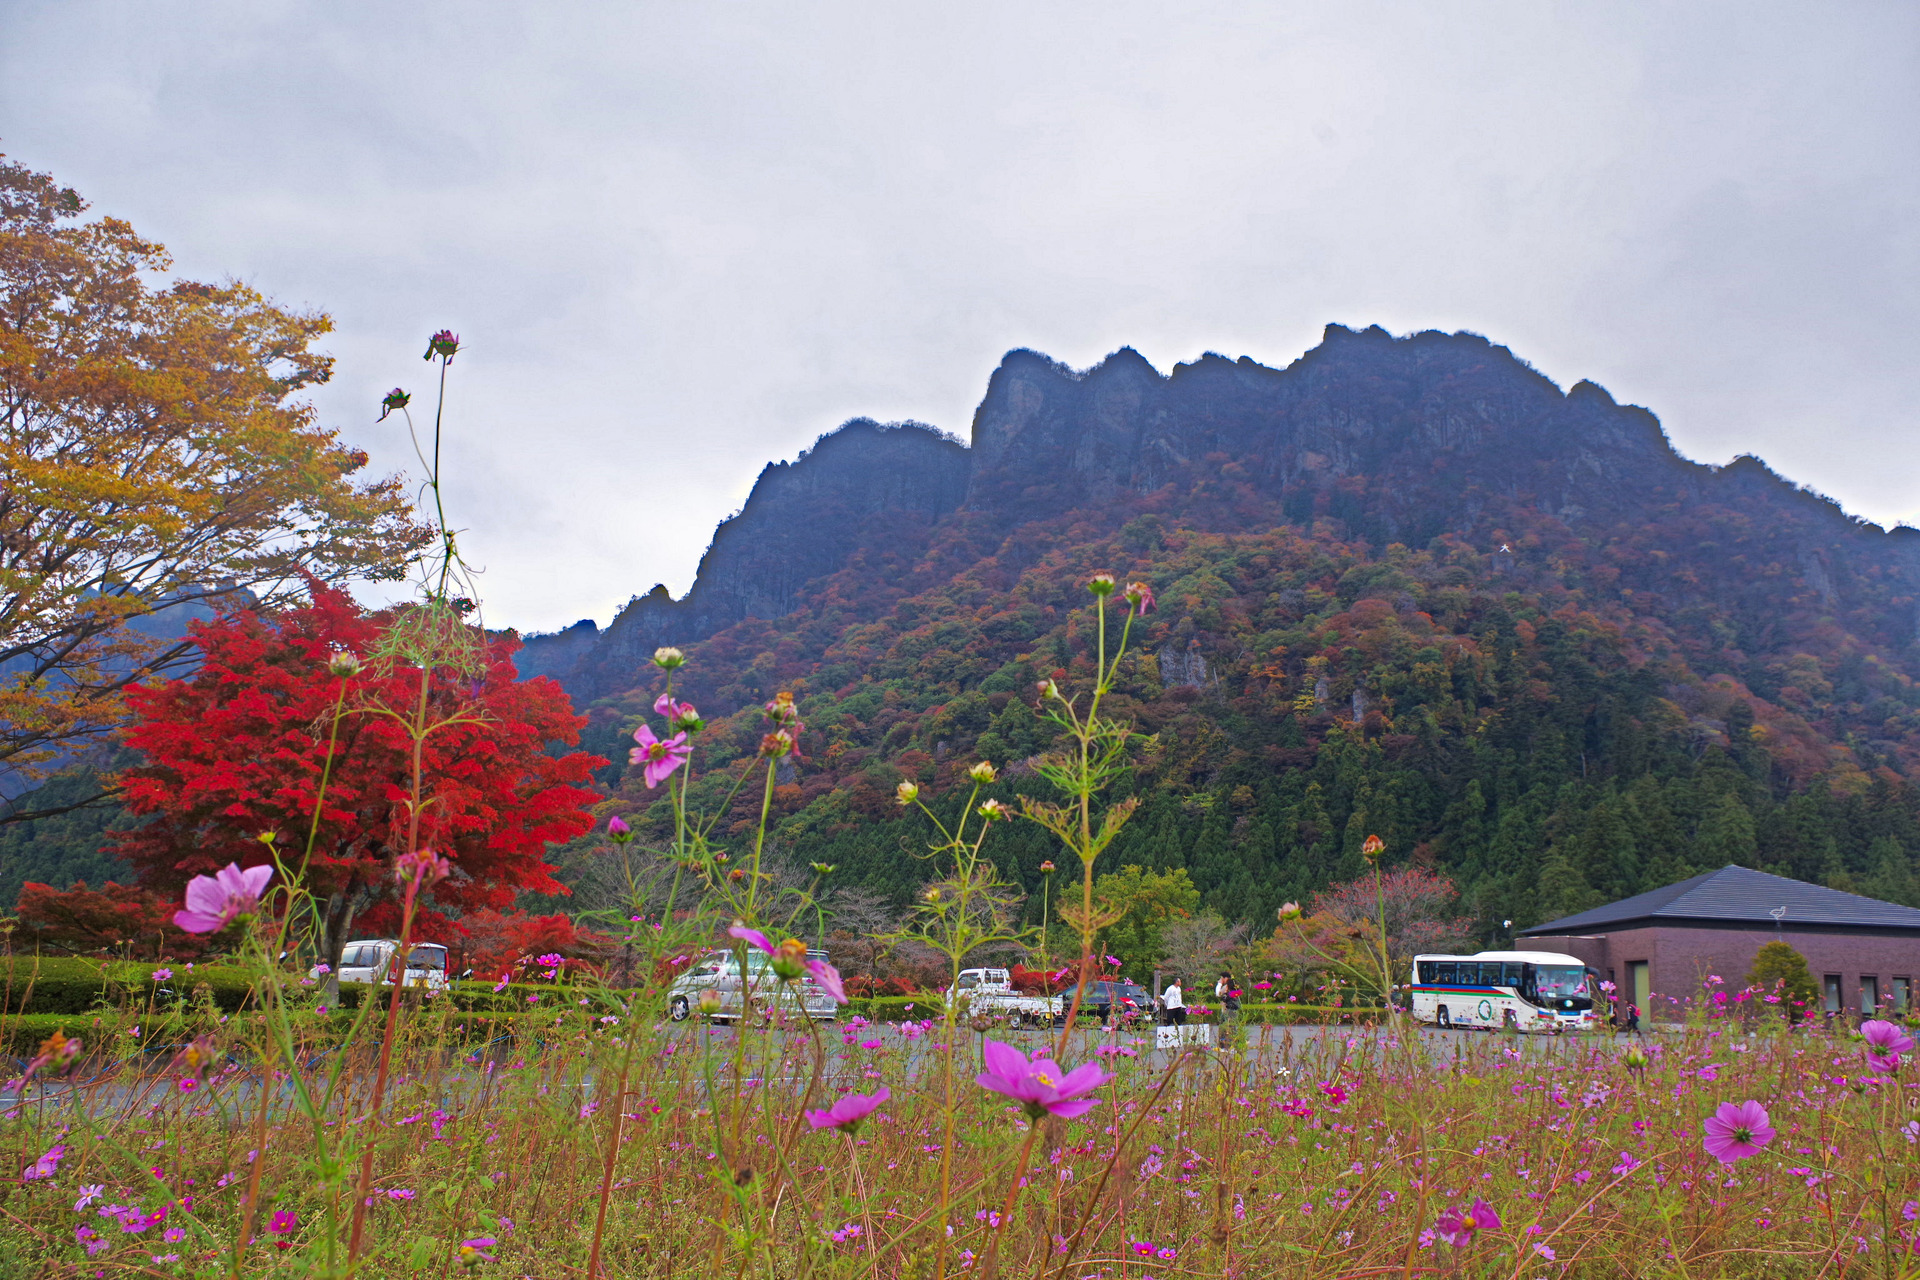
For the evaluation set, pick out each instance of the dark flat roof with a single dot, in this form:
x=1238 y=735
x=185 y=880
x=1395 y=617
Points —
x=1738 y=895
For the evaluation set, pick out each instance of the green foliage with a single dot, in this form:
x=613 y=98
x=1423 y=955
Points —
x=1145 y=902
x=78 y=985
x=66 y=848
x=1778 y=962
x=1548 y=740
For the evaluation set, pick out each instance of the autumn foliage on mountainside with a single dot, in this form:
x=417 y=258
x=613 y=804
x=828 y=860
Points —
x=1548 y=726
x=154 y=452
x=237 y=752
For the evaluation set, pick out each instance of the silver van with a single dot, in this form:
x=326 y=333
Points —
x=367 y=960
x=719 y=973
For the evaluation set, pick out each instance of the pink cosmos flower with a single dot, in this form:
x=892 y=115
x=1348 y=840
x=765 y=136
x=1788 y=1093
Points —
x=828 y=977
x=1885 y=1043
x=473 y=1251
x=1040 y=1085
x=1736 y=1131
x=847 y=1114
x=752 y=937
x=217 y=900
x=659 y=757
x=44 y=1166
x=1456 y=1226
x=283 y=1222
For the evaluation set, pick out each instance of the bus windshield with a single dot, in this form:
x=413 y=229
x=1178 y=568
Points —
x=1558 y=983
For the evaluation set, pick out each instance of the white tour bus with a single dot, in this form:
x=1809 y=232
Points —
x=1526 y=990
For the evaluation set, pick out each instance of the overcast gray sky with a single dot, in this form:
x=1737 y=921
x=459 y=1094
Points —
x=682 y=240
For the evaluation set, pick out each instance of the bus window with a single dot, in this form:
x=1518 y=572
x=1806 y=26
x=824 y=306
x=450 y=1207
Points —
x=1511 y=976
x=1443 y=972
x=1490 y=971
x=1423 y=972
x=1560 y=984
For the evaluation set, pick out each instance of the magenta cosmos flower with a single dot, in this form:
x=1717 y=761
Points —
x=1456 y=1226
x=44 y=1167
x=1736 y=1131
x=217 y=900
x=473 y=1251
x=847 y=1114
x=1040 y=1085
x=658 y=756
x=1885 y=1043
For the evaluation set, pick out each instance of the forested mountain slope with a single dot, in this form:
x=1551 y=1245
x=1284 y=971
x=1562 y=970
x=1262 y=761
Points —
x=1406 y=586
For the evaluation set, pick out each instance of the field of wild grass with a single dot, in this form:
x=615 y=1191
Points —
x=1306 y=1151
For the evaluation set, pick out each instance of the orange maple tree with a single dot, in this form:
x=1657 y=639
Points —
x=154 y=454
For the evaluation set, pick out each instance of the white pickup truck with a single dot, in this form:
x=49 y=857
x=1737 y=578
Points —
x=990 y=991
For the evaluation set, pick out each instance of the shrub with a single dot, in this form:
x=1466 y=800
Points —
x=1778 y=962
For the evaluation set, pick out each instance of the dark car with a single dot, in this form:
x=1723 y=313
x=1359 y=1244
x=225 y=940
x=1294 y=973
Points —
x=1105 y=997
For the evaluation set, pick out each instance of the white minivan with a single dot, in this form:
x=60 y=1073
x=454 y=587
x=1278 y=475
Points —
x=368 y=960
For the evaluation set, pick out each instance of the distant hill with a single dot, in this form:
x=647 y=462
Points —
x=1407 y=585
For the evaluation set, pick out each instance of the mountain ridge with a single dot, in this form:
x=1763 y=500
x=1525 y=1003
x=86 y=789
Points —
x=1322 y=434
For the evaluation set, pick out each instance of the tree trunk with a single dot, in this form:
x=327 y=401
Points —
x=335 y=921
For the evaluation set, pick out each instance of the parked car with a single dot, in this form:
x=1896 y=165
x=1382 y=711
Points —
x=1106 y=997
x=368 y=960
x=719 y=972
x=990 y=992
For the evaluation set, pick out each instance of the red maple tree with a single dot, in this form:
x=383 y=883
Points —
x=238 y=751
x=121 y=918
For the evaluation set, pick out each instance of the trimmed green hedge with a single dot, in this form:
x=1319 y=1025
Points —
x=76 y=985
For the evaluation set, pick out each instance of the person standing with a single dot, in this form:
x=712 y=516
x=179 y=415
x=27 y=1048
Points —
x=1174 y=1003
x=1633 y=1018
x=1227 y=992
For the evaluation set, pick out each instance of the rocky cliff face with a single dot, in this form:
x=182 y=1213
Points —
x=1395 y=439
x=801 y=522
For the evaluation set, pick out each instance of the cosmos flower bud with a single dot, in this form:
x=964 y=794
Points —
x=618 y=830
x=790 y=959
x=394 y=399
x=709 y=1001
x=667 y=658
x=994 y=811
x=1290 y=911
x=423 y=867
x=1140 y=596
x=442 y=344
x=1046 y=868
x=1101 y=584
x=1373 y=848
x=343 y=664
x=983 y=773
x=776 y=744
x=906 y=793
x=823 y=868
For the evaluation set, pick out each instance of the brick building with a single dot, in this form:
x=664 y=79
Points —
x=1660 y=947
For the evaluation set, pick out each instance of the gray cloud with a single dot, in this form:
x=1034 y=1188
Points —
x=681 y=241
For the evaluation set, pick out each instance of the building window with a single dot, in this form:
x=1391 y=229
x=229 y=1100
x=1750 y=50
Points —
x=1833 y=1001
x=1902 y=995
x=1869 y=994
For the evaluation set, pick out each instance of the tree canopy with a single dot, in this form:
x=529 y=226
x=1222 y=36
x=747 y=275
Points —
x=154 y=454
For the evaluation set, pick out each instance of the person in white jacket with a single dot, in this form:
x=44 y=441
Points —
x=1174 y=1003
